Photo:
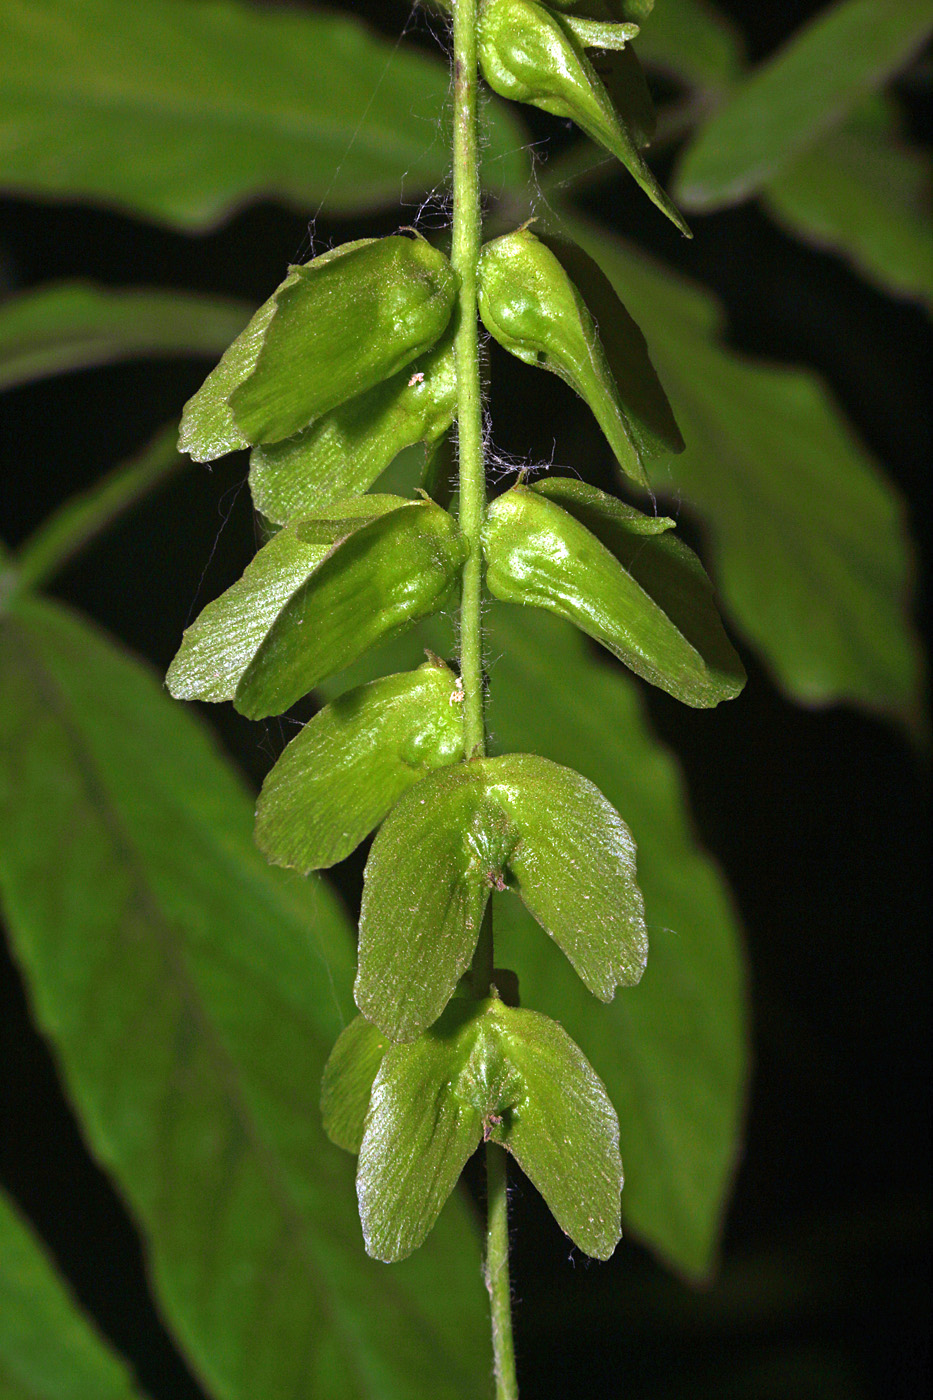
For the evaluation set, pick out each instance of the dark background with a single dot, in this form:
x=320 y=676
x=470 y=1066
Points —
x=818 y=819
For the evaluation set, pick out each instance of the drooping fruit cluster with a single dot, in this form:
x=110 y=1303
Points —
x=349 y=362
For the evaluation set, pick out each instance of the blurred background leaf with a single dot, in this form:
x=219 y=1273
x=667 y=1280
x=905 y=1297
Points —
x=75 y=325
x=179 y=111
x=49 y=1350
x=864 y=193
x=192 y=995
x=70 y=528
x=805 y=90
x=809 y=544
x=862 y=190
x=814 y=815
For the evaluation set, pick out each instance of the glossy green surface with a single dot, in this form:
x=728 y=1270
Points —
x=418 y=1136
x=341 y=326
x=191 y=995
x=809 y=545
x=317 y=596
x=561 y=1129
x=641 y=593
x=799 y=95
x=528 y=54
x=616 y=10
x=532 y=305
x=49 y=1349
x=352 y=762
x=428 y=878
x=344 y=451
x=673 y=1053
x=614 y=523
x=376 y=581
x=575 y=868
x=208 y=428
x=222 y=641
x=450 y=841
x=600 y=34
x=488 y=1071
x=181 y=112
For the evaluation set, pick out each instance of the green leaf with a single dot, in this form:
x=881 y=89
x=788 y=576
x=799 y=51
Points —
x=488 y=1071
x=690 y=40
x=341 y=325
x=445 y=846
x=348 y=1082
x=349 y=766
x=608 y=28
x=616 y=525
x=529 y=55
x=642 y=594
x=49 y=1350
x=532 y=305
x=809 y=547
x=799 y=96
x=191 y=994
x=866 y=197
x=344 y=451
x=673 y=1052
x=619 y=11
x=317 y=596
x=64 y=326
x=182 y=111
x=220 y=644
x=600 y=34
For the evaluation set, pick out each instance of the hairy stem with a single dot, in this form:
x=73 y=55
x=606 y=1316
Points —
x=464 y=256
x=467 y=238
x=497 y=1272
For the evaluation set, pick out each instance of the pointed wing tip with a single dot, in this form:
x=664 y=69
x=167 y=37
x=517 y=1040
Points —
x=396 y=1029
x=341 y=1140
x=177 y=683
x=601 y=1245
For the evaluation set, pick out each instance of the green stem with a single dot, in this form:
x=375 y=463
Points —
x=467 y=235
x=467 y=241
x=466 y=244
x=497 y=1272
